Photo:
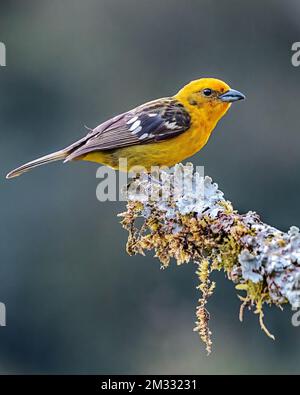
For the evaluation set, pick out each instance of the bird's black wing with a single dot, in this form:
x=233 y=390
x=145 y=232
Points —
x=152 y=122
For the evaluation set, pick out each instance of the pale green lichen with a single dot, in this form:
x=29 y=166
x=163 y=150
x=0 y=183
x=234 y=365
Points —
x=199 y=225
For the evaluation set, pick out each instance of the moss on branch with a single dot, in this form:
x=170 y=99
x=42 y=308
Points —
x=199 y=225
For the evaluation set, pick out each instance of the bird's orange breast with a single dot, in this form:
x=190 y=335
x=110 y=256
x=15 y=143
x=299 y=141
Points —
x=165 y=153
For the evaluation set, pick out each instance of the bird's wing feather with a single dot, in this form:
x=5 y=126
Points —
x=152 y=122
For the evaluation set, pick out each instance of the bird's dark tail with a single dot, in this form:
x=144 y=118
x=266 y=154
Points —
x=58 y=155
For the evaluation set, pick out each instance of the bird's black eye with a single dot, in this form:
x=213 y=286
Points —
x=207 y=92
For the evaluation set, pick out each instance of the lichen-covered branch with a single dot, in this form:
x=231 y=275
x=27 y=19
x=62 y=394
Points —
x=201 y=226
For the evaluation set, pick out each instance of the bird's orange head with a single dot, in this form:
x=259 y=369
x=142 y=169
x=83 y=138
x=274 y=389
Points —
x=208 y=96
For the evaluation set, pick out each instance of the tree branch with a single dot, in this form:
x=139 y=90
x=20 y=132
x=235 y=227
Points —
x=200 y=225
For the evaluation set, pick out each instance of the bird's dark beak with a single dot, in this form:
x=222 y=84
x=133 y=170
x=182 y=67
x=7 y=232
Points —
x=231 y=96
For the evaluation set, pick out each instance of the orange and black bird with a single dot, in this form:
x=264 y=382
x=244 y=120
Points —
x=162 y=132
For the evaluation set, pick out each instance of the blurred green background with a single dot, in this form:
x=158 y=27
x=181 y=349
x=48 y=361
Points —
x=76 y=303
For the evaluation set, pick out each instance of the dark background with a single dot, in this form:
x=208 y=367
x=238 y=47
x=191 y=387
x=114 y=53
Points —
x=76 y=303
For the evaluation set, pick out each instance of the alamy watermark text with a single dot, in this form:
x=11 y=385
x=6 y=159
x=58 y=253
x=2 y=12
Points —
x=2 y=54
x=296 y=54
